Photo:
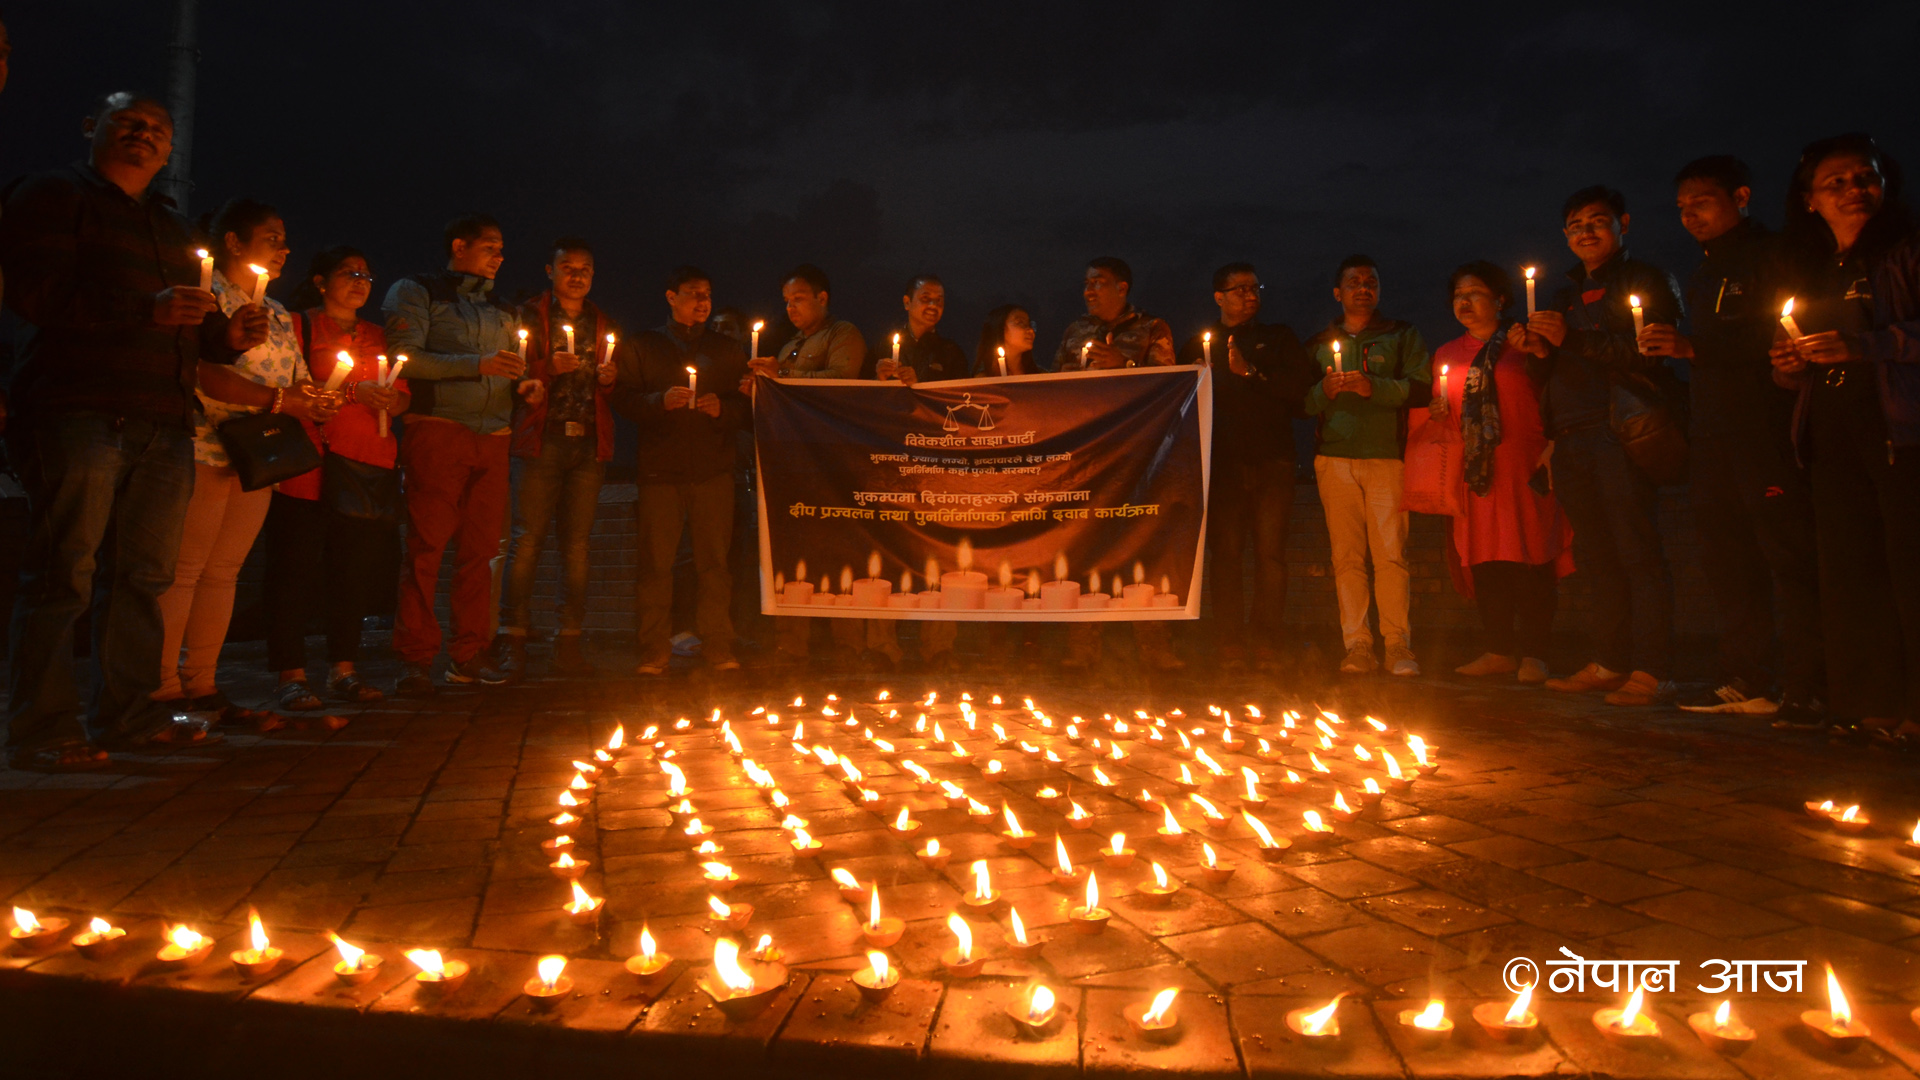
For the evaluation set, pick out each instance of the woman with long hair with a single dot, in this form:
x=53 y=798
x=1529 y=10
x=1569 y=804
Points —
x=1856 y=364
x=1009 y=332
x=331 y=533
x=222 y=520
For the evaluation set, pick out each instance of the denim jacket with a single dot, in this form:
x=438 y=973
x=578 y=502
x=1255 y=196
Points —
x=446 y=323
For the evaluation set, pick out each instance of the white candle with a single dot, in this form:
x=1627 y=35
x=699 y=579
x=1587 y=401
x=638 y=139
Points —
x=1639 y=321
x=569 y=333
x=1336 y=357
x=399 y=361
x=380 y=371
x=206 y=270
x=693 y=382
x=896 y=348
x=1443 y=382
x=609 y=357
x=753 y=351
x=259 y=283
x=1083 y=353
x=523 y=342
x=1529 y=292
x=382 y=377
x=1206 y=347
x=1786 y=321
x=1003 y=361
x=342 y=367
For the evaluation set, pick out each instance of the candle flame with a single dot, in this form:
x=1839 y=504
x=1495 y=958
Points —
x=933 y=848
x=1393 y=767
x=758 y=326
x=1259 y=829
x=676 y=780
x=1101 y=778
x=1207 y=857
x=1529 y=273
x=428 y=961
x=1162 y=1001
x=256 y=933
x=718 y=871
x=982 y=882
x=1206 y=807
x=1039 y=1004
x=1850 y=813
x=1371 y=785
x=1517 y=1012
x=878 y=961
x=844 y=878
x=100 y=926
x=1340 y=803
x=550 y=968
x=1171 y=826
x=1119 y=843
x=1079 y=813
x=1432 y=1016
x=201 y=252
x=1837 y=1004
x=719 y=907
x=873 y=907
x=350 y=955
x=1633 y=300
x=343 y=360
x=1019 y=928
x=647 y=946
x=26 y=921
x=1632 y=1012
x=1314 y=823
x=1253 y=781
x=902 y=823
x=1093 y=892
x=567 y=799
x=964 y=949
x=1786 y=309
x=1160 y=876
x=1186 y=774
x=258 y=270
x=1314 y=1023
x=726 y=964
x=1724 y=1014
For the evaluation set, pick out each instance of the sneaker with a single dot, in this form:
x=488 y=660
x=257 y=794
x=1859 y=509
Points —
x=474 y=669
x=1587 y=680
x=570 y=655
x=510 y=656
x=1359 y=661
x=1488 y=664
x=1733 y=696
x=1532 y=671
x=415 y=681
x=1800 y=714
x=1642 y=689
x=1400 y=662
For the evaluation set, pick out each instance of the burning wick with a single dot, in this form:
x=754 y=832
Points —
x=1627 y=1022
x=1431 y=1023
x=1155 y=1020
x=355 y=965
x=1090 y=918
x=1836 y=1026
x=650 y=960
x=1321 y=1023
x=549 y=984
x=1035 y=1013
x=98 y=939
x=1721 y=1031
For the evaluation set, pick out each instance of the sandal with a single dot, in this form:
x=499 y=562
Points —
x=181 y=733
x=297 y=696
x=59 y=756
x=352 y=688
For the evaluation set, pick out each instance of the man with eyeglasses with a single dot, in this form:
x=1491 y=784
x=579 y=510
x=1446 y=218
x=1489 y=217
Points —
x=1115 y=334
x=1261 y=375
x=1585 y=351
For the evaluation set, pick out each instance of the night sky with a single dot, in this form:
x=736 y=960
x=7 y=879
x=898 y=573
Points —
x=998 y=145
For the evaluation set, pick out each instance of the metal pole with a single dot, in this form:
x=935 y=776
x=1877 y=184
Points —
x=183 y=58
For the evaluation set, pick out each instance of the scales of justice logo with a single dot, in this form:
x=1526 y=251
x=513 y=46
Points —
x=979 y=414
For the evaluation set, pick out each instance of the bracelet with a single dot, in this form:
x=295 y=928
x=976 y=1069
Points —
x=279 y=398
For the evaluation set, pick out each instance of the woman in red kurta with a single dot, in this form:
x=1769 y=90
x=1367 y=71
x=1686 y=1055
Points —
x=1514 y=541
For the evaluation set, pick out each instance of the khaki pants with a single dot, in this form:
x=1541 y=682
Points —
x=222 y=522
x=1361 y=499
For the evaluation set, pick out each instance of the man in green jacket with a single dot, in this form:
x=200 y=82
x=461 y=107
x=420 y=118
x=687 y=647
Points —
x=1374 y=370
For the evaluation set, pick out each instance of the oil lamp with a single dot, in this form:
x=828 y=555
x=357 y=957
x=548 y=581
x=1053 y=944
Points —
x=1397 y=781
x=1211 y=819
x=99 y=940
x=1117 y=855
x=880 y=931
x=1341 y=810
x=1064 y=872
x=185 y=947
x=1101 y=779
x=1251 y=798
x=649 y=960
x=1155 y=893
x=550 y=983
x=1318 y=765
x=565 y=817
x=1316 y=832
x=960 y=960
x=1628 y=1024
x=1017 y=838
x=560 y=843
x=1850 y=820
x=1145 y=800
x=584 y=909
x=31 y=932
x=1186 y=781
x=1016 y=938
x=1215 y=871
x=933 y=857
x=1034 y=1012
x=436 y=975
x=955 y=795
x=1155 y=1020
x=740 y=994
x=980 y=903
x=723 y=917
x=1423 y=758
x=1836 y=1027
x=803 y=842
x=1077 y=816
x=1090 y=918
x=1429 y=1026
x=260 y=957
x=718 y=876
x=877 y=979
x=1271 y=847
x=566 y=867
x=1370 y=792
x=1510 y=1024
x=1170 y=830
x=904 y=825
x=1321 y=1023
x=1721 y=1031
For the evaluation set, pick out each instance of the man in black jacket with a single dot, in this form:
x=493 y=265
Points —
x=1584 y=345
x=1751 y=502
x=1261 y=373
x=685 y=466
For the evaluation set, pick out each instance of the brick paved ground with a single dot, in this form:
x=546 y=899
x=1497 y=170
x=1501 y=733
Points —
x=1552 y=822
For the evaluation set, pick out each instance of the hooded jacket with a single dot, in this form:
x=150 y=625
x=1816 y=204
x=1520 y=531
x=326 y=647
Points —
x=530 y=420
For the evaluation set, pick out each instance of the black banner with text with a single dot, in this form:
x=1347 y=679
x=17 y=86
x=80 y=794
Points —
x=1071 y=496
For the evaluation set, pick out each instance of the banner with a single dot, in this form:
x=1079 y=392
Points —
x=1043 y=498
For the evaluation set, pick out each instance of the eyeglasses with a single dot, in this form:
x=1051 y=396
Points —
x=1248 y=291
x=1598 y=225
x=357 y=275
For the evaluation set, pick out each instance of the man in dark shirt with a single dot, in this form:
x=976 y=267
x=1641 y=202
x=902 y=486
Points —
x=1583 y=344
x=1750 y=501
x=1261 y=373
x=103 y=272
x=685 y=466
x=562 y=441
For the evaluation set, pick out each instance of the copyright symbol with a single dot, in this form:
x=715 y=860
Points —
x=1519 y=974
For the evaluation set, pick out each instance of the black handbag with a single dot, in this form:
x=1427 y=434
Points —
x=266 y=448
x=356 y=489
x=1649 y=425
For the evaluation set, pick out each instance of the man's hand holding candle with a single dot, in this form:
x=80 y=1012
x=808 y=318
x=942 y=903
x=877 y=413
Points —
x=564 y=362
x=1101 y=356
x=310 y=402
x=247 y=328
x=379 y=398
x=1659 y=339
x=708 y=404
x=503 y=363
x=1827 y=347
x=1236 y=360
x=676 y=397
x=183 y=305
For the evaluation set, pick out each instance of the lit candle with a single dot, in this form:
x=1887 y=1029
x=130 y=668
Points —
x=100 y=939
x=356 y=965
x=1084 y=346
x=380 y=371
x=1091 y=918
x=1154 y=1021
x=1509 y=1024
x=1721 y=1031
x=342 y=367
x=548 y=985
x=1836 y=1026
x=1639 y=320
x=206 y=270
x=1628 y=1022
x=522 y=334
x=1003 y=361
x=877 y=979
x=1786 y=321
x=1336 y=357
x=1429 y=1025
x=753 y=351
x=260 y=956
x=649 y=960
x=1443 y=382
x=437 y=975
x=259 y=283
x=1529 y=292
x=30 y=931
x=568 y=329
x=960 y=960
x=1035 y=1013
x=693 y=382
x=896 y=350
x=1206 y=348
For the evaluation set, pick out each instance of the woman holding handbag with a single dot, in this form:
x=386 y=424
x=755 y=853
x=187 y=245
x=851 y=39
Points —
x=1510 y=542
x=224 y=516
x=331 y=533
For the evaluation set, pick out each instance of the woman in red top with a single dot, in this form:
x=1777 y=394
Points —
x=331 y=533
x=1514 y=542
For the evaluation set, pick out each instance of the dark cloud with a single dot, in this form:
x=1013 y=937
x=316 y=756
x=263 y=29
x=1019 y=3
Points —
x=997 y=144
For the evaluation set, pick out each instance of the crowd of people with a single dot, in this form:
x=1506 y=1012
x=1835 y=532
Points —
x=142 y=426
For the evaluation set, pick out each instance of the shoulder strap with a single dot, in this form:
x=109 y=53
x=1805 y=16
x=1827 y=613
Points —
x=303 y=326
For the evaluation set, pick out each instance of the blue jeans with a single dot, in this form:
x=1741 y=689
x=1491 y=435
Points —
x=1616 y=548
x=84 y=471
x=558 y=490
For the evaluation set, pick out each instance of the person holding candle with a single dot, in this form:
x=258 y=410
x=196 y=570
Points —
x=222 y=519
x=1007 y=334
x=1360 y=401
x=331 y=540
x=465 y=374
x=925 y=356
x=102 y=270
x=1585 y=350
x=1751 y=502
x=1261 y=377
x=1855 y=253
x=685 y=467
x=1512 y=543
x=562 y=441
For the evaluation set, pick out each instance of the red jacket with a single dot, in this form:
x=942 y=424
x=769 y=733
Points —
x=530 y=421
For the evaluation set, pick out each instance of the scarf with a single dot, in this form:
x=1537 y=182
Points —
x=1480 y=413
